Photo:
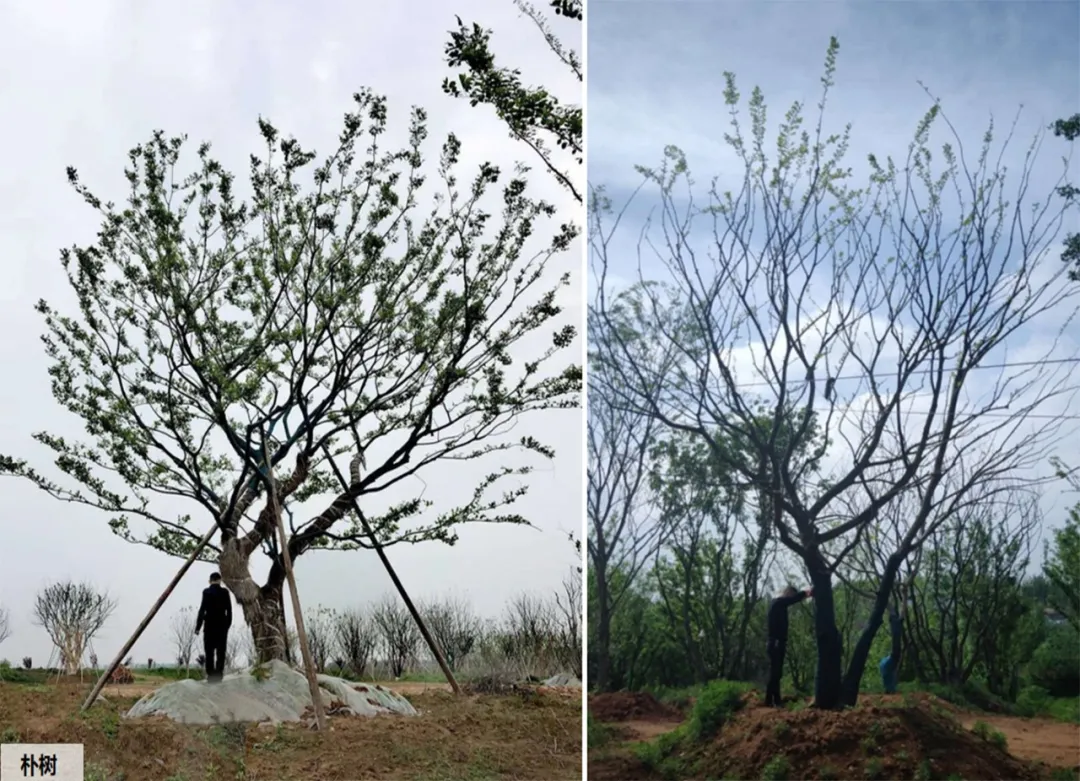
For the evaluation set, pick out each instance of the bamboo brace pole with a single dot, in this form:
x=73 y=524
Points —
x=301 y=634
x=149 y=617
x=432 y=645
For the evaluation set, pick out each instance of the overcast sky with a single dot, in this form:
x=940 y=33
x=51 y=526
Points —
x=656 y=78
x=84 y=82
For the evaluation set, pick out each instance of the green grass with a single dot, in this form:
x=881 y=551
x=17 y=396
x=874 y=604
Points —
x=426 y=677
x=677 y=697
x=1064 y=709
x=660 y=756
x=714 y=706
x=875 y=768
x=777 y=769
x=598 y=734
x=167 y=673
x=985 y=732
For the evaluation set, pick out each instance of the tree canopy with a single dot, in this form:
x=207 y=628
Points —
x=324 y=315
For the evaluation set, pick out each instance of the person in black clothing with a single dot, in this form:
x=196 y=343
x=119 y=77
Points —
x=216 y=612
x=777 y=639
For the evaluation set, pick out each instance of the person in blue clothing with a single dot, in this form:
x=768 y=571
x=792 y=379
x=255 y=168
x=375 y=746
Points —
x=890 y=665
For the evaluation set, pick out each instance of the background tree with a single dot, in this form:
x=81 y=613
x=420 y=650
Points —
x=398 y=632
x=182 y=634
x=356 y=636
x=964 y=587
x=216 y=337
x=455 y=627
x=532 y=114
x=5 y=624
x=920 y=299
x=72 y=613
x=318 y=624
x=623 y=531
x=1061 y=559
x=570 y=614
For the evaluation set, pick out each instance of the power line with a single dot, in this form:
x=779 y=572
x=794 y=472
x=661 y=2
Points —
x=763 y=383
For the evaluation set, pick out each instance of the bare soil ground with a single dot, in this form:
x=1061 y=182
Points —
x=890 y=737
x=532 y=734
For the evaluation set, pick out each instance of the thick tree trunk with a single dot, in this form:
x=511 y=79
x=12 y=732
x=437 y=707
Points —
x=263 y=607
x=828 y=679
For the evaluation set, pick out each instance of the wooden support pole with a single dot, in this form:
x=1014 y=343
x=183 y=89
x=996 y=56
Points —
x=305 y=650
x=149 y=617
x=432 y=645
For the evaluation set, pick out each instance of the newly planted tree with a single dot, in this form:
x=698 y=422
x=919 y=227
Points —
x=215 y=336
x=72 y=613
x=5 y=624
x=399 y=634
x=455 y=627
x=356 y=636
x=868 y=313
x=182 y=631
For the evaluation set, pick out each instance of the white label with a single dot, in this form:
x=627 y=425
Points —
x=60 y=761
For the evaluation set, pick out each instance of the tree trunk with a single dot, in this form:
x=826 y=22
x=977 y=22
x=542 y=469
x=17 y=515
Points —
x=857 y=665
x=603 y=632
x=263 y=607
x=828 y=679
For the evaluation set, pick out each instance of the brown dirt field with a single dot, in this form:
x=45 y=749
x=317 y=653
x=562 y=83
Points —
x=534 y=735
x=885 y=737
x=631 y=706
x=1055 y=743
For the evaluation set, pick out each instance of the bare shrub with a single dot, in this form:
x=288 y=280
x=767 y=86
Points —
x=398 y=632
x=356 y=636
x=528 y=635
x=182 y=634
x=454 y=627
x=72 y=613
x=320 y=635
x=5 y=624
x=27 y=663
x=568 y=628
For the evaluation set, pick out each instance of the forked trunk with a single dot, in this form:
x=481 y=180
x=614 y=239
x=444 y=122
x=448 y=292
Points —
x=262 y=607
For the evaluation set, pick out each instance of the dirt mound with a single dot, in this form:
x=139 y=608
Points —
x=630 y=706
x=918 y=739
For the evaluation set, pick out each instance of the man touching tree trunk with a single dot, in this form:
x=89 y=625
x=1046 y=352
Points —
x=777 y=619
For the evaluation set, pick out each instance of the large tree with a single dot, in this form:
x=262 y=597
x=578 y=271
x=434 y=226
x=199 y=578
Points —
x=215 y=338
x=868 y=309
